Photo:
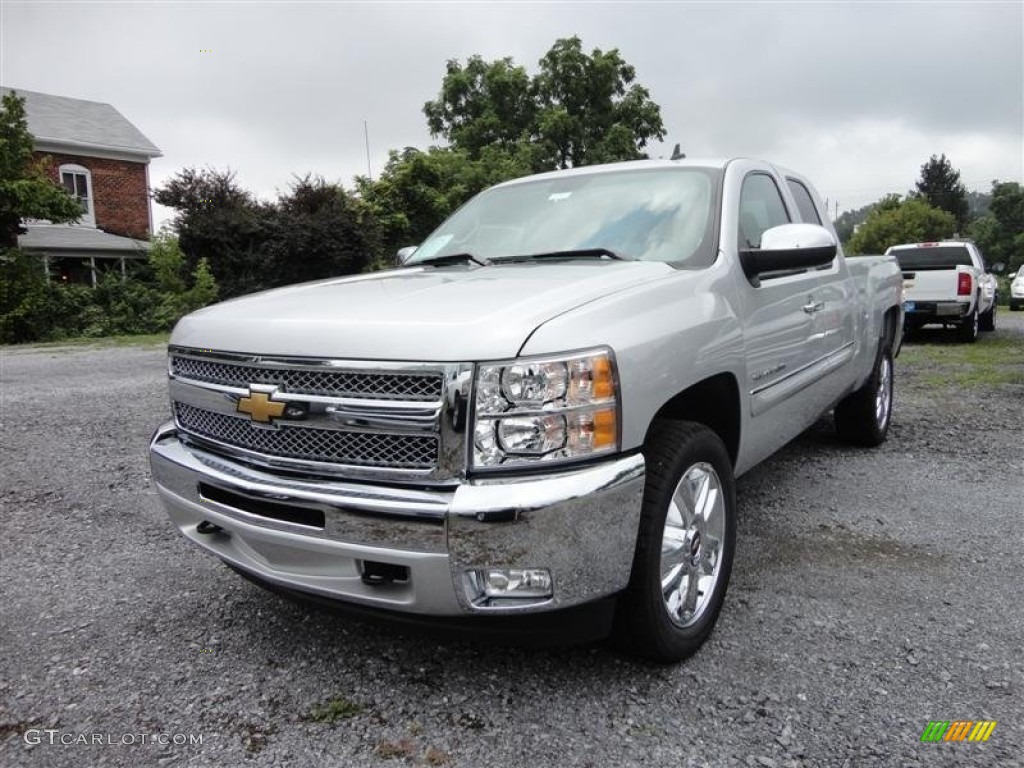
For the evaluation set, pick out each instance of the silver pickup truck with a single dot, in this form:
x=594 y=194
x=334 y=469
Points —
x=542 y=411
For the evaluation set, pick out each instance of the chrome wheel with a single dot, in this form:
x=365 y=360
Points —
x=692 y=544
x=883 y=395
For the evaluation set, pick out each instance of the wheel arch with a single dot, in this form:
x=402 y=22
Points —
x=713 y=402
x=890 y=324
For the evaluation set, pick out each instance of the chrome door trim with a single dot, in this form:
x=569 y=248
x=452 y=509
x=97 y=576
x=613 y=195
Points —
x=769 y=395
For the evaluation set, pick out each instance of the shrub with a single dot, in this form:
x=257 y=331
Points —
x=151 y=300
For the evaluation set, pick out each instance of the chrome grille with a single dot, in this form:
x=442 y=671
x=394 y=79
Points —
x=366 y=449
x=326 y=383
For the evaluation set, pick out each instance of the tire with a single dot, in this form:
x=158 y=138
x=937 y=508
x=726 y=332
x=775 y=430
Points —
x=863 y=417
x=669 y=623
x=967 y=331
x=987 y=320
x=1014 y=306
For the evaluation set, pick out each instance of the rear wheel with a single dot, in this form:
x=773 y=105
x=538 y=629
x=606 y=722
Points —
x=987 y=320
x=968 y=330
x=685 y=544
x=863 y=417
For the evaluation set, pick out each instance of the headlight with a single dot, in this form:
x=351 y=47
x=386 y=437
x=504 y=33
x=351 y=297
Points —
x=545 y=410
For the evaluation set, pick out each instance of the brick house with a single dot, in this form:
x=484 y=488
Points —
x=103 y=160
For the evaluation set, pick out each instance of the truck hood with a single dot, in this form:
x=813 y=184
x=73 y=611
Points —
x=432 y=314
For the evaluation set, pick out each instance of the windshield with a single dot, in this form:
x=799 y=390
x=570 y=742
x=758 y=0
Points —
x=651 y=215
x=933 y=257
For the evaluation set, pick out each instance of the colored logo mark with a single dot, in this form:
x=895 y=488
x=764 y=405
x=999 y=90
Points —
x=958 y=730
x=260 y=407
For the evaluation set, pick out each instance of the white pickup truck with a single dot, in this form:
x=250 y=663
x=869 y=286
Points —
x=947 y=283
x=542 y=412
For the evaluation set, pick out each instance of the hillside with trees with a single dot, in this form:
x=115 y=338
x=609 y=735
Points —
x=940 y=207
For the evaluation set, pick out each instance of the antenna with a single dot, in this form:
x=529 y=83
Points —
x=366 y=135
x=676 y=154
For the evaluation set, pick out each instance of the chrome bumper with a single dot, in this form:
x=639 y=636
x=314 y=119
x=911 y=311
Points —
x=580 y=524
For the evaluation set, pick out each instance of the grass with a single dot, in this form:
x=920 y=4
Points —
x=145 y=340
x=336 y=709
x=943 y=362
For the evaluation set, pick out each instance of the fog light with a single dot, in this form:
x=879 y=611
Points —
x=515 y=582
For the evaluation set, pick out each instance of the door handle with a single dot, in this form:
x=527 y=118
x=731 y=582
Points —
x=814 y=306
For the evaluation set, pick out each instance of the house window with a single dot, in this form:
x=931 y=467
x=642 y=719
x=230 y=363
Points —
x=78 y=183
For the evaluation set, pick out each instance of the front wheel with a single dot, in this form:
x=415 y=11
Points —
x=863 y=417
x=685 y=544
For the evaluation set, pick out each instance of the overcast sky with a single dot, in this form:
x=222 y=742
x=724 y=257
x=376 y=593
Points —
x=855 y=95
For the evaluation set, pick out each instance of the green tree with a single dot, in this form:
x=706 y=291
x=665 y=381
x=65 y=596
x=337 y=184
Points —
x=167 y=262
x=217 y=220
x=578 y=109
x=316 y=232
x=168 y=273
x=204 y=288
x=892 y=222
x=1000 y=233
x=22 y=296
x=483 y=104
x=418 y=190
x=590 y=110
x=25 y=190
x=941 y=187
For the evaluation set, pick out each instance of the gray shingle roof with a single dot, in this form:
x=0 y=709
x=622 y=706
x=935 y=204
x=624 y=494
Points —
x=81 y=123
x=59 y=237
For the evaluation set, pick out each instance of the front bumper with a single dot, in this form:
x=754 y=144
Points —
x=580 y=524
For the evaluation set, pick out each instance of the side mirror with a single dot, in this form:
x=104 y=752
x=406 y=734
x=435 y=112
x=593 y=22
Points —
x=404 y=253
x=1013 y=275
x=788 y=247
x=998 y=267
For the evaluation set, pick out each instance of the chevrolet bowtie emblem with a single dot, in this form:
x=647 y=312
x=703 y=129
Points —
x=260 y=407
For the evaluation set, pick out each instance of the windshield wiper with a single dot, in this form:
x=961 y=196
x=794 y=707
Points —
x=578 y=253
x=451 y=258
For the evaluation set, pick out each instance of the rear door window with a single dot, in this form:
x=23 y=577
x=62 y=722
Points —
x=927 y=257
x=804 y=202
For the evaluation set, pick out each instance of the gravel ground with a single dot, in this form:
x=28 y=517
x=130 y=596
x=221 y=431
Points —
x=873 y=591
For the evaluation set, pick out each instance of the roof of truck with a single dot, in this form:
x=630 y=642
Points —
x=932 y=244
x=718 y=163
